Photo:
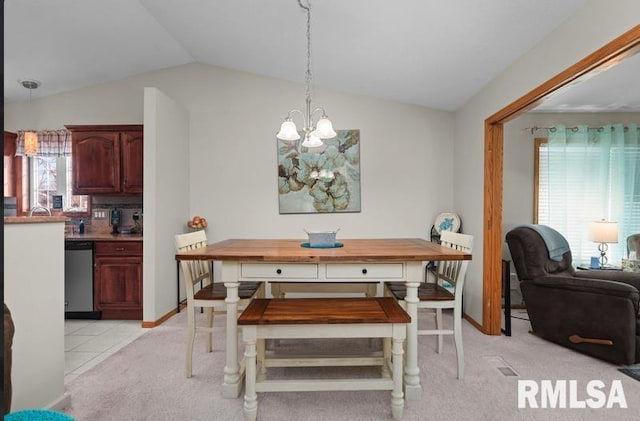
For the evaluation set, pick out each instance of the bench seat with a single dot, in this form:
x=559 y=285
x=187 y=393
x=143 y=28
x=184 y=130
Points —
x=303 y=318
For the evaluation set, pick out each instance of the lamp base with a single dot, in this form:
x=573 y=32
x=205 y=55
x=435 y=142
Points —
x=603 y=247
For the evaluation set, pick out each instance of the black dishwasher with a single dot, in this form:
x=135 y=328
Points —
x=78 y=280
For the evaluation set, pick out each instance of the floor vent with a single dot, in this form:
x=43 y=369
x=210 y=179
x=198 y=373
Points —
x=507 y=371
x=501 y=365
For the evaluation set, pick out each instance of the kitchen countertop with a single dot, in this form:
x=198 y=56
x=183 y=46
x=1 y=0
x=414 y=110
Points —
x=33 y=219
x=102 y=236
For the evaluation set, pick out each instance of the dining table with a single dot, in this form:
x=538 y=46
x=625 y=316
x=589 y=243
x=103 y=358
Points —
x=350 y=261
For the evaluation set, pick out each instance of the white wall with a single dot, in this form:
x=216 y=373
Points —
x=406 y=152
x=595 y=24
x=405 y=165
x=34 y=294
x=166 y=197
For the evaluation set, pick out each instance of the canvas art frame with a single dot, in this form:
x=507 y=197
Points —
x=325 y=179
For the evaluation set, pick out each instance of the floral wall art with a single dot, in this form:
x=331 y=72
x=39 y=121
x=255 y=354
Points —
x=325 y=179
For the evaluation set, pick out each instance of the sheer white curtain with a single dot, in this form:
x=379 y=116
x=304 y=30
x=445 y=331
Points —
x=589 y=174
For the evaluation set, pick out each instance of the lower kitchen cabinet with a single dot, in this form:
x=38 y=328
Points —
x=118 y=279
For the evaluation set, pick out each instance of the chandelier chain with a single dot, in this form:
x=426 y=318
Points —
x=308 y=72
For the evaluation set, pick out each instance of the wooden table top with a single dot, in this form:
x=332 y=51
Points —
x=264 y=311
x=354 y=250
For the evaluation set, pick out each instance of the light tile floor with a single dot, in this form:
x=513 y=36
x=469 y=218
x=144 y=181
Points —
x=89 y=342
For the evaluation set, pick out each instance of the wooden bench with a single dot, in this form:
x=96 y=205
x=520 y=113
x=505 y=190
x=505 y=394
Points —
x=378 y=317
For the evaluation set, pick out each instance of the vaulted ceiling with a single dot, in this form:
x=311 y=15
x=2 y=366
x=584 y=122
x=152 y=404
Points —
x=428 y=52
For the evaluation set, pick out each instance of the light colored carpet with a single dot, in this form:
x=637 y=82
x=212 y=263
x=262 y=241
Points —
x=145 y=381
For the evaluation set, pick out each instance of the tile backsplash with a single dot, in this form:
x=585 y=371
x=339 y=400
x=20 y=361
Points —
x=127 y=205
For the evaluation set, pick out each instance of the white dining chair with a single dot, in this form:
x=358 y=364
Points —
x=444 y=293
x=201 y=291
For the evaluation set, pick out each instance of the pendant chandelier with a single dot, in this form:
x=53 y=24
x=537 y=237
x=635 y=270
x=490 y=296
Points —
x=30 y=137
x=313 y=133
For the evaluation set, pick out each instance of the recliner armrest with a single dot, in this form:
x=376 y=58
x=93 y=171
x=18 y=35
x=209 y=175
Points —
x=631 y=278
x=595 y=286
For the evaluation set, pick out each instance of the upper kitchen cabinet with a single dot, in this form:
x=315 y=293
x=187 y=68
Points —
x=107 y=159
x=131 y=146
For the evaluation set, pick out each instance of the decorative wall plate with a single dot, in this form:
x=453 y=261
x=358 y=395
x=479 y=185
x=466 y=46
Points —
x=447 y=221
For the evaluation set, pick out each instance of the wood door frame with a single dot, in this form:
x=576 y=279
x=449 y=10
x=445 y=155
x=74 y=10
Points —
x=609 y=55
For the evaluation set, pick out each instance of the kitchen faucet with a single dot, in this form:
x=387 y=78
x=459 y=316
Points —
x=39 y=208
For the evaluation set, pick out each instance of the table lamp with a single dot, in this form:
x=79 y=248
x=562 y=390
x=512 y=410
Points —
x=603 y=232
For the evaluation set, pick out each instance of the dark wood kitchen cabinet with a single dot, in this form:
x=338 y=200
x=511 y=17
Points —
x=118 y=279
x=107 y=159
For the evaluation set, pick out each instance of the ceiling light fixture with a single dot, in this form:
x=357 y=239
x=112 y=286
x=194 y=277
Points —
x=30 y=136
x=323 y=129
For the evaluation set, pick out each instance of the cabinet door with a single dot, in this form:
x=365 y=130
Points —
x=118 y=283
x=132 y=162
x=96 y=162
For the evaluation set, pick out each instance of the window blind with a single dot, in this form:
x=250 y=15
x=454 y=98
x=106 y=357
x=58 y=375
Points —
x=585 y=183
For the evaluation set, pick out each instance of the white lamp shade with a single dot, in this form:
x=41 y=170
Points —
x=312 y=141
x=603 y=232
x=324 y=129
x=288 y=131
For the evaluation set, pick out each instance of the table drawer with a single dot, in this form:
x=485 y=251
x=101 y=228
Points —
x=275 y=270
x=365 y=270
x=119 y=248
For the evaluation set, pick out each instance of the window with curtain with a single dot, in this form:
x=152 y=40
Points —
x=50 y=171
x=51 y=176
x=588 y=174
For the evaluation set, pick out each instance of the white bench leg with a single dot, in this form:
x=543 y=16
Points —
x=261 y=346
x=250 y=396
x=397 y=396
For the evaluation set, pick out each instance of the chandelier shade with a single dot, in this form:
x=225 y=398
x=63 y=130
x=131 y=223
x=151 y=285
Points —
x=312 y=141
x=288 y=131
x=324 y=129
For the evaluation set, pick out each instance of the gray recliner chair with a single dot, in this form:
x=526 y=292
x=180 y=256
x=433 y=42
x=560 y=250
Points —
x=595 y=312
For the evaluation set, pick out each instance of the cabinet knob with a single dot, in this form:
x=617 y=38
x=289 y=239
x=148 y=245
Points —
x=119 y=248
x=279 y=271
x=364 y=271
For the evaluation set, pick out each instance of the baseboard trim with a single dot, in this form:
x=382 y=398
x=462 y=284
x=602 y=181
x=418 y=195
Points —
x=162 y=319
x=63 y=402
x=473 y=323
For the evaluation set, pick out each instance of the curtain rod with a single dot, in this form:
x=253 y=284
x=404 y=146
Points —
x=573 y=129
